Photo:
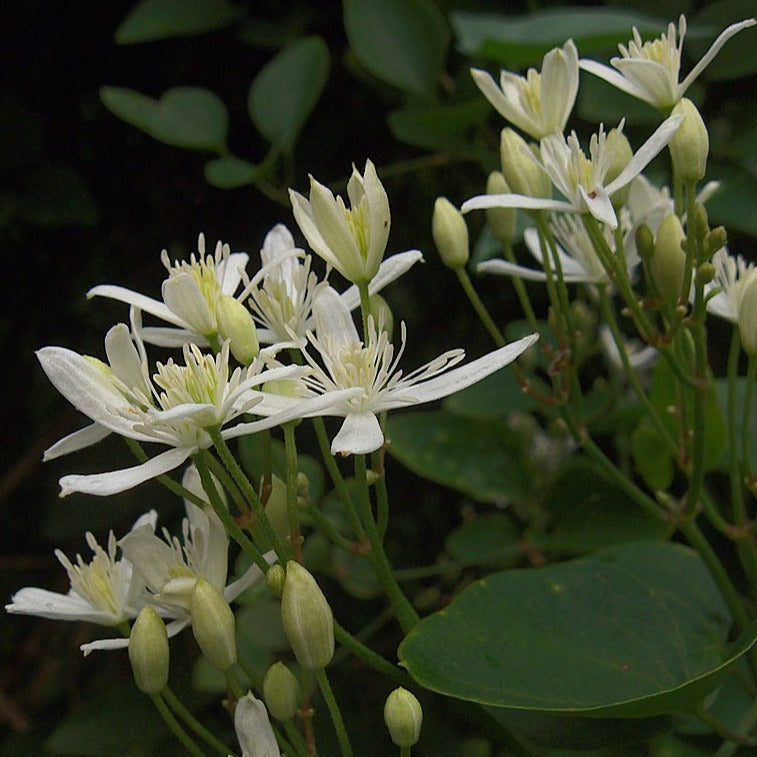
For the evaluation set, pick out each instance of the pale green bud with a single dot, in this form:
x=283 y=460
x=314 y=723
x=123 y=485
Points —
x=148 y=651
x=307 y=618
x=235 y=324
x=281 y=692
x=705 y=273
x=403 y=717
x=715 y=240
x=645 y=242
x=669 y=260
x=501 y=220
x=450 y=234
x=621 y=153
x=522 y=174
x=747 y=318
x=275 y=579
x=382 y=313
x=276 y=511
x=690 y=143
x=213 y=625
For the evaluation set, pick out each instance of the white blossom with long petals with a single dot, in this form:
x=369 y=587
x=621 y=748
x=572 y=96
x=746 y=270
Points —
x=650 y=70
x=581 y=179
x=725 y=292
x=537 y=103
x=372 y=369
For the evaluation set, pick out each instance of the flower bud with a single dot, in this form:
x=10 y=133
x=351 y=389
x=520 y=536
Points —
x=619 y=148
x=213 y=625
x=403 y=717
x=501 y=220
x=382 y=313
x=148 y=651
x=522 y=174
x=644 y=242
x=281 y=692
x=254 y=732
x=306 y=615
x=705 y=273
x=275 y=579
x=747 y=318
x=690 y=143
x=715 y=240
x=277 y=512
x=669 y=260
x=235 y=324
x=450 y=234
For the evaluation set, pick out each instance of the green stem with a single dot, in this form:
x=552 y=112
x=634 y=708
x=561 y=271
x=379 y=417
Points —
x=193 y=723
x=293 y=514
x=249 y=492
x=233 y=683
x=405 y=751
x=746 y=410
x=406 y=615
x=334 y=711
x=220 y=473
x=722 y=729
x=175 y=727
x=746 y=724
x=479 y=307
x=365 y=308
x=296 y=739
x=520 y=290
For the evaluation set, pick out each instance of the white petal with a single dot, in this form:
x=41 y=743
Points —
x=148 y=304
x=481 y=202
x=50 y=604
x=252 y=575
x=104 y=645
x=333 y=321
x=172 y=338
x=611 y=76
x=105 y=484
x=505 y=268
x=182 y=294
x=84 y=437
x=253 y=728
x=231 y=272
x=360 y=434
x=599 y=205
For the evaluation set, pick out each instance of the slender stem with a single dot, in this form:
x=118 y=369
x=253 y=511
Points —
x=194 y=724
x=175 y=727
x=722 y=729
x=365 y=308
x=382 y=496
x=746 y=724
x=292 y=510
x=367 y=655
x=335 y=712
x=323 y=524
x=220 y=510
x=406 y=615
x=220 y=473
x=737 y=492
x=249 y=492
x=295 y=738
x=520 y=290
x=479 y=307
x=233 y=683
x=405 y=751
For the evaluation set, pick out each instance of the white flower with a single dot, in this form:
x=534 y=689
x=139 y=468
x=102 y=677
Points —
x=106 y=590
x=581 y=179
x=372 y=370
x=640 y=356
x=650 y=70
x=190 y=294
x=352 y=240
x=539 y=103
x=726 y=291
x=254 y=731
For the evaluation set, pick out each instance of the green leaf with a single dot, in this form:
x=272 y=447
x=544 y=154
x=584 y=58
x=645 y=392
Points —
x=401 y=42
x=733 y=204
x=588 y=512
x=230 y=172
x=286 y=90
x=600 y=102
x=496 y=396
x=519 y=41
x=189 y=117
x=636 y=631
x=161 y=19
x=652 y=456
x=487 y=538
x=473 y=456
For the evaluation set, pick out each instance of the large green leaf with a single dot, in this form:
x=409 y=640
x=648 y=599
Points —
x=474 y=456
x=401 y=42
x=160 y=19
x=496 y=396
x=636 y=631
x=487 y=538
x=230 y=172
x=286 y=90
x=189 y=117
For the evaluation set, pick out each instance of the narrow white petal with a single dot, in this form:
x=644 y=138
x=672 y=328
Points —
x=303 y=214
x=84 y=437
x=141 y=301
x=182 y=294
x=611 y=76
x=572 y=270
x=481 y=202
x=105 y=484
x=505 y=268
x=252 y=575
x=104 y=645
x=231 y=274
x=162 y=336
x=333 y=320
x=360 y=434
x=49 y=604
x=599 y=205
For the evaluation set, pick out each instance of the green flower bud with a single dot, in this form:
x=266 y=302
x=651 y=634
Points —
x=621 y=153
x=213 y=625
x=276 y=511
x=690 y=143
x=715 y=240
x=450 y=234
x=382 y=313
x=148 y=651
x=669 y=261
x=501 y=220
x=306 y=615
x=645 y=242
x=281 y=692
x=705 y=273
x=747 y=318
x=403 y=717
x=523 y=175
x=275 y=579
x=235 y=324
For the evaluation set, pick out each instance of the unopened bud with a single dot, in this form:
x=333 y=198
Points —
x=644 y=242
x=382 y=313
x=403 y=717
x=307 y=618
x=705 y=273
x=619 y=148
x=669 y=261
x=690 y=144
x=281 y=692
x=213 y=625
x=277 y=513
x=450 y=234
x=148 y=651
x=715 y=240
x=522 y=174
x=747 y=318
x=254 y=731
x=235 y=324
x=501 y=220
x=275 y=578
